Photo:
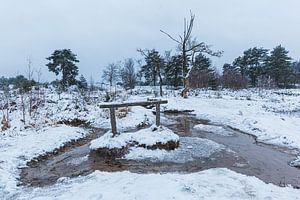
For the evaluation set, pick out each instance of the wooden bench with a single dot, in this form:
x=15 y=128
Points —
x=112 y=107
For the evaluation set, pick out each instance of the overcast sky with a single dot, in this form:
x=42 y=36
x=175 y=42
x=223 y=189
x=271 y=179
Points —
x=100 y=32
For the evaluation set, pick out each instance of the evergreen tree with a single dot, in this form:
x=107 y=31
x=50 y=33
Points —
x=173 y=71
x=296 y=71
x=22 y=83
x=202 y=63
x=239 y=63
x=228 y=68
x=251 y=64
x=82 y=83
x=4 y=83
x=64 y=62
x=154 y=67
x=232 y=77
x=154 y=64
x=202 y=74
x=279 y=66
x=254 y=60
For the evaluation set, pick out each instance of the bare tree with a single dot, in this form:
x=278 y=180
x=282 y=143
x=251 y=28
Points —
x=39 y=79
x=23 y=107
x=91 y=87
x=189 y=46
x=92 y=83
x=111 y=74
x=30 y=79
x=128 y=74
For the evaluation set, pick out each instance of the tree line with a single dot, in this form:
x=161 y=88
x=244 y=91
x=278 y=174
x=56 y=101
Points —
x=260 y=67
x=256 y=67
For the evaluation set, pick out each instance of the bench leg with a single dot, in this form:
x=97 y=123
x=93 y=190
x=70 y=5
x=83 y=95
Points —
x=113 y=121
x=157 y=114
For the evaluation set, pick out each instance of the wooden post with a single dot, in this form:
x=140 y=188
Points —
x=113 y=121
x=157 y=114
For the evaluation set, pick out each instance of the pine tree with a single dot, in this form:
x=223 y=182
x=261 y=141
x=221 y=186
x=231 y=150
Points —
x=296 y=71
x=202 y=62
x=150 y=70
x=63 y=61
x=279 y=66
x=173 y=71
x=239 y=63
x=4 y=83
x=232 y=77
x=254 y=60
x=202 y=74
x=82 y=83
x=154 y=67
x=251 y=64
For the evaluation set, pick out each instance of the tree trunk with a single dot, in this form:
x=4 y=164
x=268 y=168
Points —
x=23 y=107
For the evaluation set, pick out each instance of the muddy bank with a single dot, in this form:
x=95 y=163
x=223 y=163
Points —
x=245 y=156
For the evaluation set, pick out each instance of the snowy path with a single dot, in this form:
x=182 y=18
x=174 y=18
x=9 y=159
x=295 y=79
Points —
x=210 y=184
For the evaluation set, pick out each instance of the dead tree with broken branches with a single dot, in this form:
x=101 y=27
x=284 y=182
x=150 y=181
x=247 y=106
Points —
x=189 y=46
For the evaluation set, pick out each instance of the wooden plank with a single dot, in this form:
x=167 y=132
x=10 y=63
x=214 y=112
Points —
x=157 y=114
x=113 y=121
x=126 y=104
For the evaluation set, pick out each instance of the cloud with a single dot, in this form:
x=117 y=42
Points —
x=100 y=32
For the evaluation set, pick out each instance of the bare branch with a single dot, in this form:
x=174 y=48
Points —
x=181 y=38
x=142 y=52
x=170 y=37
x=203 y=48
x=189 y=27
x=194 y=47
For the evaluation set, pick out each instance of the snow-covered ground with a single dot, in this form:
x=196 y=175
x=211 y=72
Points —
x=273 y=116
x=16 y=150
x=189 y=149
x=210 y=184
x=147 y=137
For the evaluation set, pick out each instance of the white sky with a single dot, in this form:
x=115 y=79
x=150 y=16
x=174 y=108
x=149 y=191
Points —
x=100 y=31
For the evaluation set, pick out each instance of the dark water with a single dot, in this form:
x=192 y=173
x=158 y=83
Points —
x=266 y=162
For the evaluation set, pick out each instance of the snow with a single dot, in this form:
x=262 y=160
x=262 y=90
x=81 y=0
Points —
x=219 y=130
x=135 y=116
x=16 y=150
x=189 y=149
x=148 y=137
x=296 y=162
x=271 y=115
x=265 y=114
x=209 y=184
x=77 y=161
